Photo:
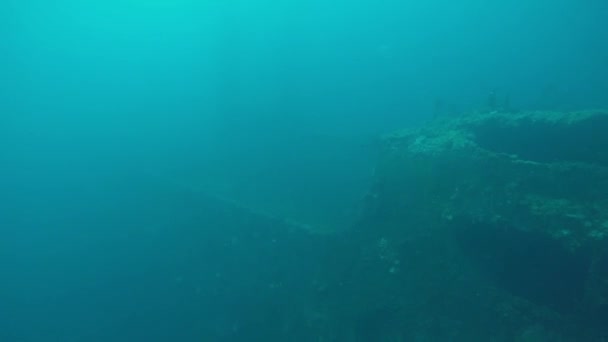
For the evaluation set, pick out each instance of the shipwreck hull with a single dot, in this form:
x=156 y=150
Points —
x=510 y=206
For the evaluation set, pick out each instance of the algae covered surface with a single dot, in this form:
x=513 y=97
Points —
x=511 y=221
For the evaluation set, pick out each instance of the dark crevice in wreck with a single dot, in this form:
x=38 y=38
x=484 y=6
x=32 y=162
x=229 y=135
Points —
x=583 y=141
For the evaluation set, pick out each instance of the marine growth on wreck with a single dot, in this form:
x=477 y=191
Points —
x=497 y=216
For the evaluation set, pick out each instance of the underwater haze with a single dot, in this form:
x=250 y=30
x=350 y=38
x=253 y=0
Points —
x=164 y=162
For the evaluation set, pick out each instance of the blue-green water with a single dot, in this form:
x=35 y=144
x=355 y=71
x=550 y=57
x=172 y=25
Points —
x=143 y=142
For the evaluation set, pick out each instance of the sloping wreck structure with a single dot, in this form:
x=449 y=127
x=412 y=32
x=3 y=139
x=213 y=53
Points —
x=489 y=227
